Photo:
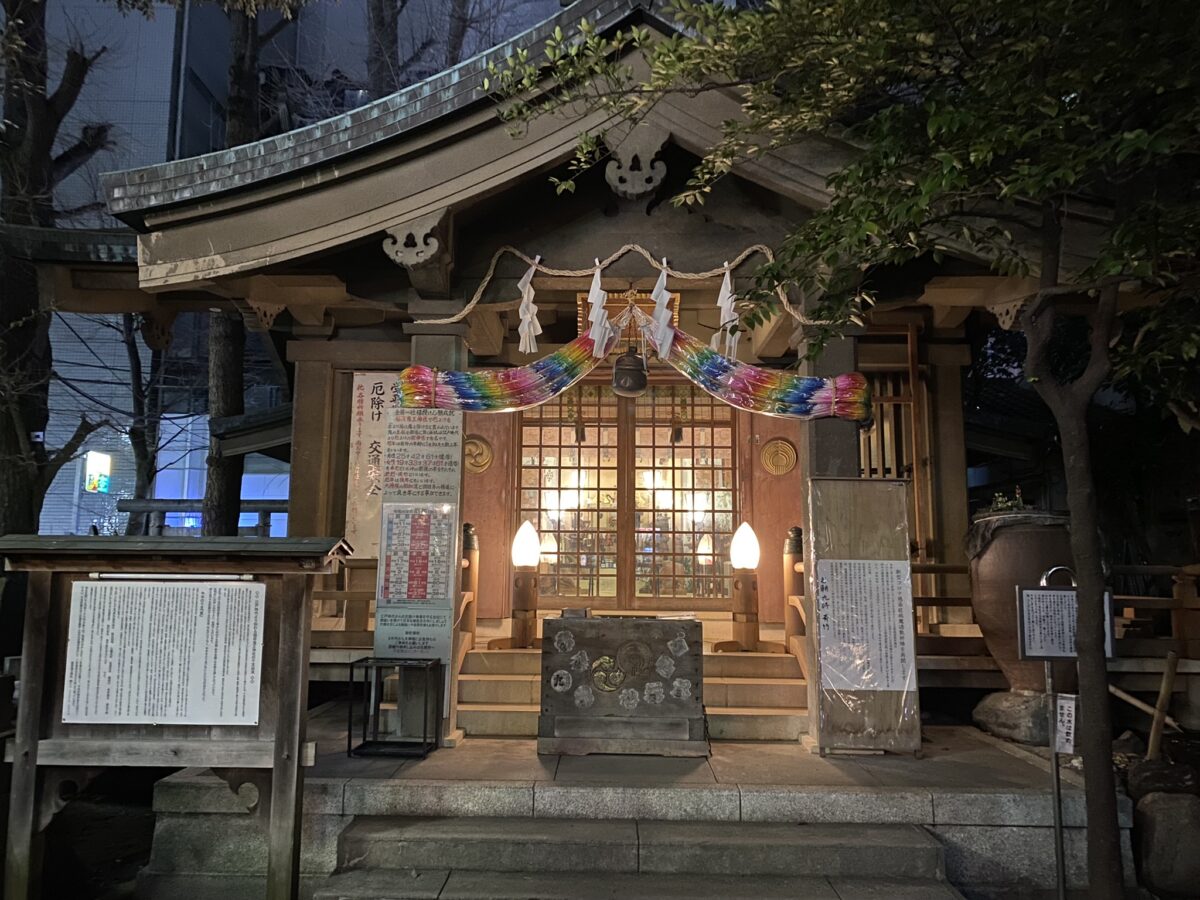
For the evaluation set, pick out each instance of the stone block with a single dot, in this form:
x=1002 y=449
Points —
x=1016 y=857
x=870 y=889
x=410 y=797
x=776 y=803
x=416 y=884
x=200 y=791
x=482 y=844
x=592 y=886
x=1031 y=808
x=198 y=843
x=710 y=803
x=895 y=851
x=1168 y=828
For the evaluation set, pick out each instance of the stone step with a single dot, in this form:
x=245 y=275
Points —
x=768 y=692
x=666 y=848
x=499 y=719
x=468 y=885
x=748 y=723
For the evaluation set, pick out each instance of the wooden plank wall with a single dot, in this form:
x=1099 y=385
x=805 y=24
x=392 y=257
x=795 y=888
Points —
x=774 y=505
x=489 y=503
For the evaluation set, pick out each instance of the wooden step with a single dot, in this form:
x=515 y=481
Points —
x=503 y=662
x=751 y=665
x=747 y=723
x=499 y=719
x=499 y=688
x=755 y=692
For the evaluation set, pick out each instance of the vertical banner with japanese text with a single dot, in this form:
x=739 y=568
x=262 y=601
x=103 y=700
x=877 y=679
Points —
x=419 y=554
x=374 y=393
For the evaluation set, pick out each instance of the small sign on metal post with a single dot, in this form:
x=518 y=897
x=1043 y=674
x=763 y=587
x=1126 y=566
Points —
x=1046 y=630
x=1064 y=723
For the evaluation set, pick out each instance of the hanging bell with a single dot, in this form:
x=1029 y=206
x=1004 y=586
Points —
x=629 y=378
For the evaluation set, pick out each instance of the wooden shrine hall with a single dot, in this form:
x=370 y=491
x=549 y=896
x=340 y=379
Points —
x=340 y=240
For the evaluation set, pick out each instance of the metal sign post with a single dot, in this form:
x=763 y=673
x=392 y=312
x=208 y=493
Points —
x=1046 y=620
x=1060 y=866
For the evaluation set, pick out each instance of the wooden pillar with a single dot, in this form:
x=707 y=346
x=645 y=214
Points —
x=287 y=775
x=23 y=858
x=312 y=429
x=828 y=448
x=951 y=512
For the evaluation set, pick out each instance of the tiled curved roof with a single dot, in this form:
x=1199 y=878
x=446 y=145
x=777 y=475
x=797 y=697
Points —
x=138 y=190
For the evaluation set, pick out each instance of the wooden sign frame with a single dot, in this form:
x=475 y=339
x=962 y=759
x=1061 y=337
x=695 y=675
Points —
x=270 y=755
x=861 y=519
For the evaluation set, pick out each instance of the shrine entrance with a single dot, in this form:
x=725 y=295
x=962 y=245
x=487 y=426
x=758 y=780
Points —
x=635 y=500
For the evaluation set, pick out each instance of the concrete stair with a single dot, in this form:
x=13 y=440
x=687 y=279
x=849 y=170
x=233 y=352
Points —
x=747 y=696
x=467 y=885
x=387 y=857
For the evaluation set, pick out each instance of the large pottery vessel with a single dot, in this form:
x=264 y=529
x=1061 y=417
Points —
x=1007 y=550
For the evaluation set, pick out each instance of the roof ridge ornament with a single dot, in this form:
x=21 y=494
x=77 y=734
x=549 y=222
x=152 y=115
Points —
x=633 y=172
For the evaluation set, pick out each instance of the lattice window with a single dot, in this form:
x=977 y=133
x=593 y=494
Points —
x=569 y=455
x=685 y=494
x=635 y=501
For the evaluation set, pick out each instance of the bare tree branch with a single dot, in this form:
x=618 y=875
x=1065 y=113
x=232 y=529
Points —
x=75 y=72
x=92 y=140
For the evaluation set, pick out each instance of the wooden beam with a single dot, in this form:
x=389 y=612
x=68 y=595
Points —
x=485 y=333
x=976 y=291
x=771 y=337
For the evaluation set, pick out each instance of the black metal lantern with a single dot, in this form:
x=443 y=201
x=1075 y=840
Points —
x=629 y=378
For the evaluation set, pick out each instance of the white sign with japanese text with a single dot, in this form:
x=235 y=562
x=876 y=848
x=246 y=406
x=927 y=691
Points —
x=373 y=394
x=1047 y=621
x=419 y=553
x=1064 y=723
x=864 y=612
x=164 y=653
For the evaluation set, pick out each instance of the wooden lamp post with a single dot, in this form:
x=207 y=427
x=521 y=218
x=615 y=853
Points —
x=526 y=555
x=743 y=557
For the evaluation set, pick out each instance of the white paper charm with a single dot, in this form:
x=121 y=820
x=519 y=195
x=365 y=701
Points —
x=728 y=318
x=529 y=328
x=601 y=329
x=664 y=331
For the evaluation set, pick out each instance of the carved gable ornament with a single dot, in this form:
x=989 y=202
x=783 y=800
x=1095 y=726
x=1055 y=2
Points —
x=633 y=172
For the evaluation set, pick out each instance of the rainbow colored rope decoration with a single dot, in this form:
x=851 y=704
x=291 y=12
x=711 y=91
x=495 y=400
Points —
x=500 y=390
x=770 y=391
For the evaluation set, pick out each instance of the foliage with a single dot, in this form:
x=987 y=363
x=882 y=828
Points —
x=958 y=120
x=1003 y=503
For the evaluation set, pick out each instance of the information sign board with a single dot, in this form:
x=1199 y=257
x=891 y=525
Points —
x=1046 y=622
x=164 y=653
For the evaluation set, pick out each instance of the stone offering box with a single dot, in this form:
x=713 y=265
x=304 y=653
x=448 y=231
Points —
x=622 y=684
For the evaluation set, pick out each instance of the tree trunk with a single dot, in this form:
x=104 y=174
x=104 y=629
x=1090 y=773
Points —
x=242 y=111
x=146 y=426
x=460 y=21
x=1094 y=719
x=383 y=47
x=226 y=397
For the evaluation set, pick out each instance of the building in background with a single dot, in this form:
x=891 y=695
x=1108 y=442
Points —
x=162 y=86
